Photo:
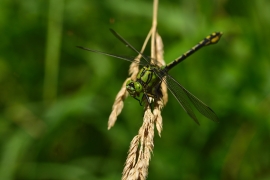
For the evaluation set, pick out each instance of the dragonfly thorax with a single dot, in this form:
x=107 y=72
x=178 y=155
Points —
x=146 y=84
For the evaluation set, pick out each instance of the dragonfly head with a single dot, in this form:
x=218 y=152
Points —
x=134 y=88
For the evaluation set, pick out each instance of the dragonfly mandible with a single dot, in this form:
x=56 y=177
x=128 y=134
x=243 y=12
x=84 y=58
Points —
x=151 y=75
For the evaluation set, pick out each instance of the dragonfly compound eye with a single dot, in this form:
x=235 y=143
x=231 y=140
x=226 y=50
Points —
x=130 y=87
x=138 y=87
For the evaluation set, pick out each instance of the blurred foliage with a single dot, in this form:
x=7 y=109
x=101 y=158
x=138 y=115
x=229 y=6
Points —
x=66 y=137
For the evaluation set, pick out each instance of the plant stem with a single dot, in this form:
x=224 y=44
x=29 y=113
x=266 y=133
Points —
x=52 y=56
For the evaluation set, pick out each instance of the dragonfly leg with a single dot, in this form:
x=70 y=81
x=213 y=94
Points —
x=147 y=98
x=157 y=91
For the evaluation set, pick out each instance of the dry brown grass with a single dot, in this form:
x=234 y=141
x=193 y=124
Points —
x=118 y=105
x=142 y=145
x=136 y=166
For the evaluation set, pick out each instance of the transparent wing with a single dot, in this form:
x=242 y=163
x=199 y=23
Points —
x=130 y=59
x=182 y=95
x=179 y=95
x=147 y=59
x=129 y=45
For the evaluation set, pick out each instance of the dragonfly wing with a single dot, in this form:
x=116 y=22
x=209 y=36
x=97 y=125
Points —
x=113 y=55
x=129 y=45
x=199 y=105
x=179 y=94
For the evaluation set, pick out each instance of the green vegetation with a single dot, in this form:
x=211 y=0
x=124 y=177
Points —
x=55 y=99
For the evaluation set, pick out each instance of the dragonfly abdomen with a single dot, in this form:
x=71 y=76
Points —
x=211 y=39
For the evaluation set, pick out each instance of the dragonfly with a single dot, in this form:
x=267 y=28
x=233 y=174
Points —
x=151 y=75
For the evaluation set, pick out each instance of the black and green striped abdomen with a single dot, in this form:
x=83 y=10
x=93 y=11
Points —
x=211 y=39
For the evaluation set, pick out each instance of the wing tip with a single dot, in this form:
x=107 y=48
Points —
x=112 y=31
x=216 y=120
x=194 y=118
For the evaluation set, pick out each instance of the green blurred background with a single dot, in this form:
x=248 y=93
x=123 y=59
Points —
x=56 y=99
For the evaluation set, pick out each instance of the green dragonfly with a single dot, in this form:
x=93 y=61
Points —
x=152 y=74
